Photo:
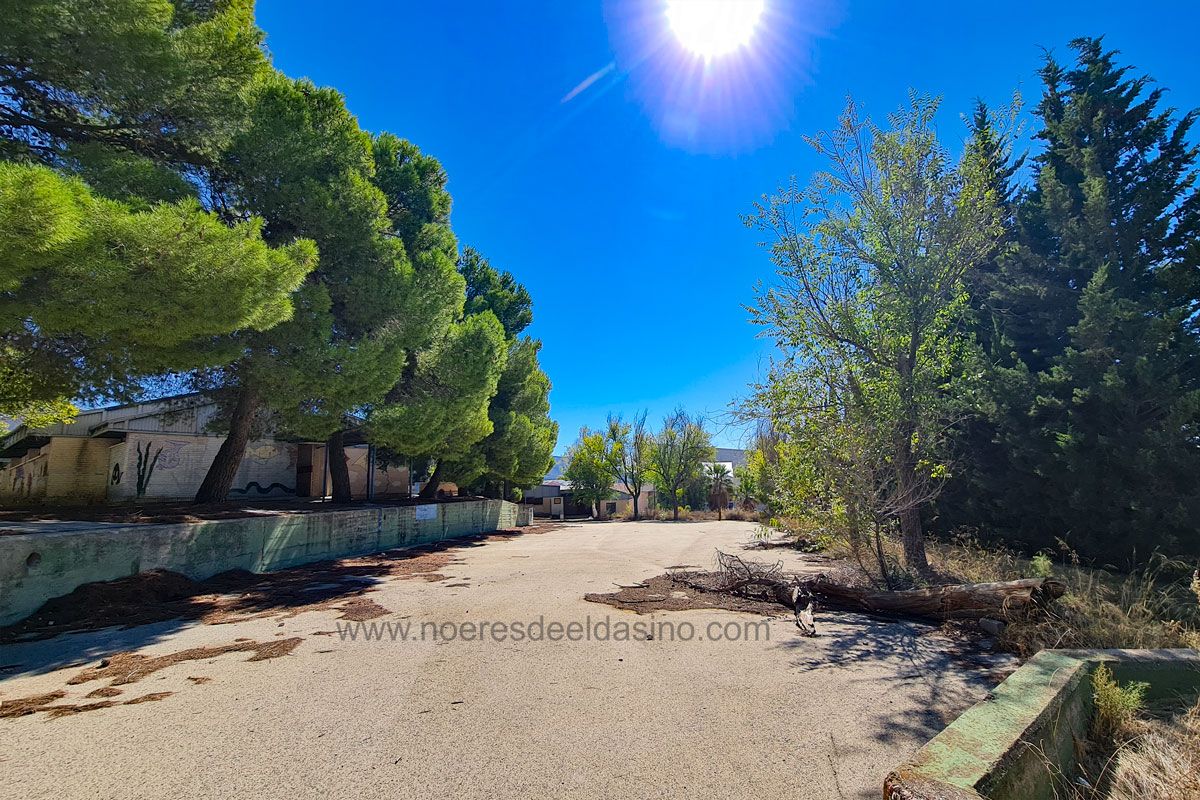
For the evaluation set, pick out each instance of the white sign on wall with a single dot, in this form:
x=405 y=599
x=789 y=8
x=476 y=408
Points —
x=427 y=512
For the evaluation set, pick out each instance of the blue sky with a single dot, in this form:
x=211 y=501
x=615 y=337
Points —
x=617 y=201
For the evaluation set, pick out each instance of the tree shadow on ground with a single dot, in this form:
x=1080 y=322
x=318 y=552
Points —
x=99 y=619
x=945 y=673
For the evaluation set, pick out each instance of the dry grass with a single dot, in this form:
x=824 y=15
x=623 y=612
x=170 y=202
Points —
x=1153 y=607
x=125 y=668
x=1157 y=606
x=1139 y=758
x=1163 y=763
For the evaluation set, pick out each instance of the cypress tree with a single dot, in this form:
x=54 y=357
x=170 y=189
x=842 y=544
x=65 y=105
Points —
x=1097 y=381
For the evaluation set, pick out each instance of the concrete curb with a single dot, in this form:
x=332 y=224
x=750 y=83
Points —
x=999 y=748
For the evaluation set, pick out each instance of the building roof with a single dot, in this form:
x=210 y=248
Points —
x=731 y=455
x=180 y=414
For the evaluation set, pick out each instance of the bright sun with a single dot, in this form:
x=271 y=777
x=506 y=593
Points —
x=711 y=28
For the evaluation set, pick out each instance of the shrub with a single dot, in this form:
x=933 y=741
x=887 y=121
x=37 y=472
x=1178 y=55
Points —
x=1116 y=706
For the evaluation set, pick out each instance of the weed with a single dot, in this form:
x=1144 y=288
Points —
x=1116 y=706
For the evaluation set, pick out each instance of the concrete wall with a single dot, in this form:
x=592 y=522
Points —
x=24 y=479
x=267 y=470
x=35 y=567
x=66 y=468
x=1012 y=745
x=80 y=470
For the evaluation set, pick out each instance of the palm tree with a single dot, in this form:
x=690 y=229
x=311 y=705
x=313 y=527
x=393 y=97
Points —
x=720 y=484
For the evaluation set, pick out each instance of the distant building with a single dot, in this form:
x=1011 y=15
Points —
x=555 y=493
x=161 y=450
x=730 y=456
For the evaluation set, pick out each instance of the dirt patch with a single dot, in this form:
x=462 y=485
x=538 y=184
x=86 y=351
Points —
x=362 y=609
x=103 y=691
x=22 y=706
x=70 y=709
x=148 y=698
x=668 y=593
x=126 y=668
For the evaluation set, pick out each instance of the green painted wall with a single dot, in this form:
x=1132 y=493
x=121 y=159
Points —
x=1005 y=747
x=35 y=567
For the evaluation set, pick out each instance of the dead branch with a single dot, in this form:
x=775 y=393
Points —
x=968 y=601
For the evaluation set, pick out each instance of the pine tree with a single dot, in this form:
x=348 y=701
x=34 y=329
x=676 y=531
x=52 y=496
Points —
x=1098 y=407
x=126 y=270
x=304 y=165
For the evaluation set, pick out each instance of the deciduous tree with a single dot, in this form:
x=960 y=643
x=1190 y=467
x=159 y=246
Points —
x=870 y=301
x=680 y=449
x=629 y=448
x=588 y=470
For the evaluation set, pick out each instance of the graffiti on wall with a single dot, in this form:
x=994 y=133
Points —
x=171 y=454
x=261 y=490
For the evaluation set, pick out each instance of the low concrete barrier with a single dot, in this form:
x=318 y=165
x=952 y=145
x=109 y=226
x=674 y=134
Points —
x=35 y=567
x=1007 y=746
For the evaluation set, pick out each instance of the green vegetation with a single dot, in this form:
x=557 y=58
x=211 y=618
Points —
x=588 y=470
x=173 y=207
x=629 y=449
x=680 y=449
x=631 y=456
x=871 y=297
x=1116 y=705
x=98 y=294
x=1092 y=395
x=720 y=485
x=967 y=350
x=108 y=253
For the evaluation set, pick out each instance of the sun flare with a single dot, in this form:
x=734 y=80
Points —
x=712 y=28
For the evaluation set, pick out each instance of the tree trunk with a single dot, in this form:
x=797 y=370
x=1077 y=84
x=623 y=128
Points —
x=429 y=490
x=911 y=533
x=339 y=471
x=913 y=537
x=675 y=511
x=960 y=601
x=635 y=506
x=219 y=478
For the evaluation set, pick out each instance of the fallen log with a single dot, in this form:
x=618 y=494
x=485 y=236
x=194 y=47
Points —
x=964 y=601
x=969 y=601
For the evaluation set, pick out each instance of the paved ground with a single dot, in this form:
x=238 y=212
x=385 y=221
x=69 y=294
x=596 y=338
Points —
x=789 y=717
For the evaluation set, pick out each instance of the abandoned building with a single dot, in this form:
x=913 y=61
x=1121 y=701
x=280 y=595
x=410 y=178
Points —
x=161 y=450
